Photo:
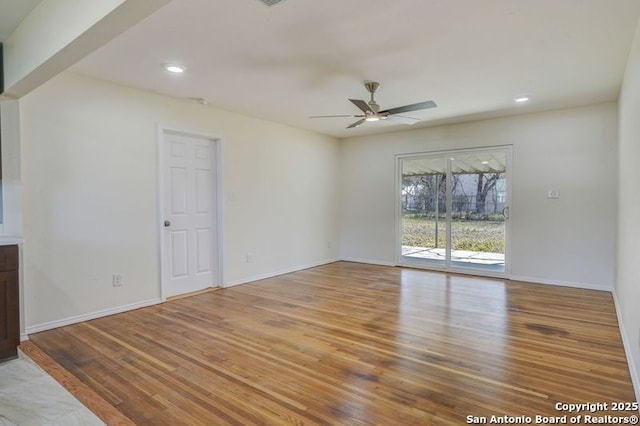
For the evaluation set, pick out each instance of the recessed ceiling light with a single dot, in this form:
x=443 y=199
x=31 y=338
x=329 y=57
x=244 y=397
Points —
x=176 y=69
x=485 y=162
x=521 y=99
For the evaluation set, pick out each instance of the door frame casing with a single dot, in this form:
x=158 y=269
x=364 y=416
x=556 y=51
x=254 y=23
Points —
x=218 y=187
x=398 y=211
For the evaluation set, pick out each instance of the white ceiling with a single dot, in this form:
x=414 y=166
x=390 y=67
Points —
x=12 y=12
x=306 y=57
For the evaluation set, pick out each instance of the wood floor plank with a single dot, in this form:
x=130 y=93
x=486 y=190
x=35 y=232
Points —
x=348 y=343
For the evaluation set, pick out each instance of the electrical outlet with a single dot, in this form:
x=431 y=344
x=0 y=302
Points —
x=249 y=257
x=117 y=280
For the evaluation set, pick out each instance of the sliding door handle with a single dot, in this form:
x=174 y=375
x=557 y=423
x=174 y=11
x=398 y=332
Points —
x=505 y=212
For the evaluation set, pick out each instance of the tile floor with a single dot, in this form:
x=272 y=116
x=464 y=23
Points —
x=29 y=396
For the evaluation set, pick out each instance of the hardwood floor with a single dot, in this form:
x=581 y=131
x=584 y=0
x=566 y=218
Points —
x=349 y=343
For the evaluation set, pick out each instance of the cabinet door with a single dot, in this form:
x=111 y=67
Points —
x=9 y=316
x=8 y=258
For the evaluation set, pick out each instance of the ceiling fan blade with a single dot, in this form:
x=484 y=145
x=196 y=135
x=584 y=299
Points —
x=407 y=108
x=356 y=124
x=402 y=119
x=362 y=105
x=332 y=116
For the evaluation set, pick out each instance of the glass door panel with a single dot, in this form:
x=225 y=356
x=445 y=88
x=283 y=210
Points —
x=478 y=207
x=423 y=215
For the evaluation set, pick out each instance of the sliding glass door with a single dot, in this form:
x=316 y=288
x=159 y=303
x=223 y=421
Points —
x=454 y=209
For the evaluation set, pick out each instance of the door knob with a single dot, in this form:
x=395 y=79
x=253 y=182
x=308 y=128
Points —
x=167 y=223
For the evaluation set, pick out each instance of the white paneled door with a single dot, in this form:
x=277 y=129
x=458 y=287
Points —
x=189 y=206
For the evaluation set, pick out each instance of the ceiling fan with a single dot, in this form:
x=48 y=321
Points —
x=372 y=111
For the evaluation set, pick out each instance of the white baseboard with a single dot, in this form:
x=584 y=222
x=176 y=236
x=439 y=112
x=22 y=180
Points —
x=86 y=317
x=368 y=261
x=24 y=337
x=281 y=272
x=510 y=277
x=585 y=286
x=626 y=342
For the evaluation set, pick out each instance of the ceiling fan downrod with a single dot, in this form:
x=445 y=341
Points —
x=372 y=86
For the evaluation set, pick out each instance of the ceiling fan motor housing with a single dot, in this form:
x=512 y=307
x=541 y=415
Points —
x=371 y=86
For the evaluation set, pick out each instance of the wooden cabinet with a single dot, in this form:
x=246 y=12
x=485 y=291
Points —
x=9 y=303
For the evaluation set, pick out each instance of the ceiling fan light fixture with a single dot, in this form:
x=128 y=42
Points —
x=175 y=69
x=372 y=118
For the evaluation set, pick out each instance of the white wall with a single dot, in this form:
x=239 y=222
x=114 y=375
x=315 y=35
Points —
x=566 y=241
x=90 y=195
x=628 y=266
x=11 y=172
